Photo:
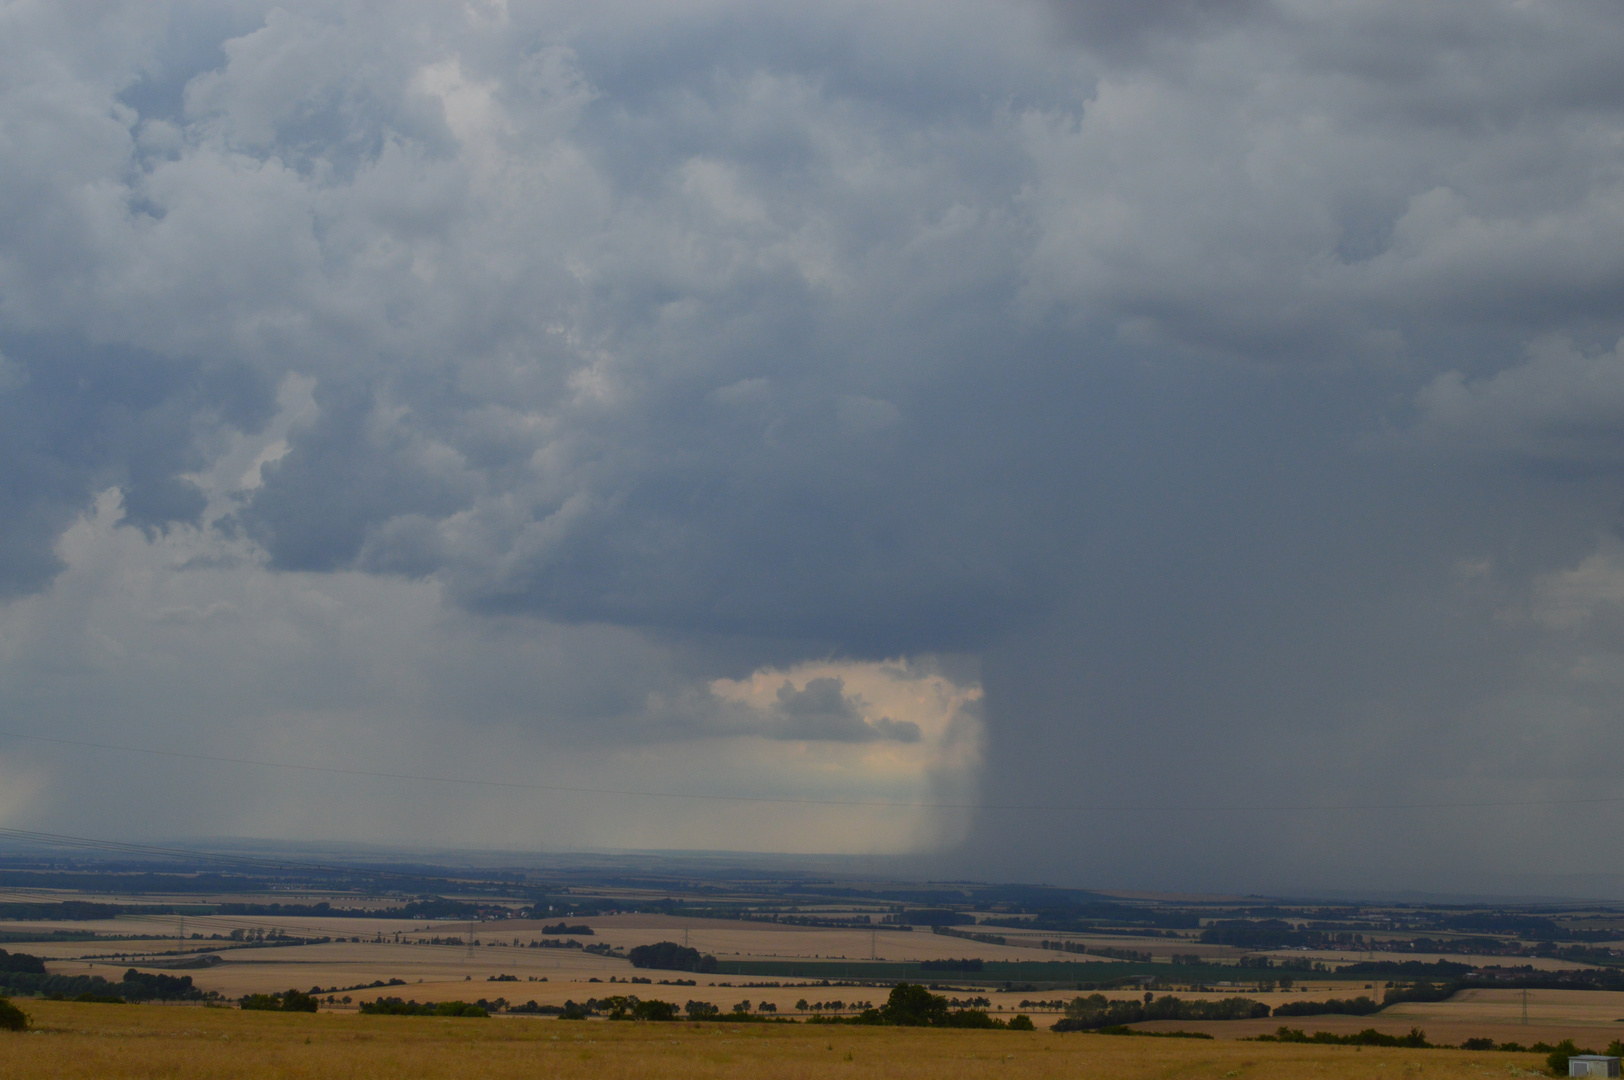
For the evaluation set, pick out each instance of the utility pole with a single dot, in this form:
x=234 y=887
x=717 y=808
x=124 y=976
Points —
x=1525 y=1005
x=873 y=944
x=470 y=946
x=181 y=946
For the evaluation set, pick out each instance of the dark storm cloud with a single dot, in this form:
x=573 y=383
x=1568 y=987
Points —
x=77 y=418
x=1113 y=24
x=346 y=475
x=744 y=415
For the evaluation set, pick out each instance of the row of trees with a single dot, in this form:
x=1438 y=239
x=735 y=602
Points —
x=1359 y=1006
x=393 y=1006
x=908 y=1006
x=286 y=1001
x=1097 y=1011
x=968 y=935
x=134 y=986
x=911 y=1005
x=1416 y=1039
x=966 y=964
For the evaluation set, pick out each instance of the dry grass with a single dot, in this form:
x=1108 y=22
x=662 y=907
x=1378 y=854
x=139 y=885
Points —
x=108 y=1042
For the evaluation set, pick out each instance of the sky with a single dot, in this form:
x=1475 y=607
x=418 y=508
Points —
x=1158 y=445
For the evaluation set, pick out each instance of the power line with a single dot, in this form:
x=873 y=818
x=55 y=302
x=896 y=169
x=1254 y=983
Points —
x=881 y=804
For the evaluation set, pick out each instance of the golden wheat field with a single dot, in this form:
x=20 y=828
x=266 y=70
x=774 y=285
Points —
x=108 y=1042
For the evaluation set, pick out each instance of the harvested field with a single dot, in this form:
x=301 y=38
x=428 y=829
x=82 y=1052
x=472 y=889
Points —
x=110 y=1042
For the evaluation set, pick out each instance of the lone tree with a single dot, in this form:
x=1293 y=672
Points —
x=911 y=1005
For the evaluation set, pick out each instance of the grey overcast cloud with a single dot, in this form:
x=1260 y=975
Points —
x=1201 y=420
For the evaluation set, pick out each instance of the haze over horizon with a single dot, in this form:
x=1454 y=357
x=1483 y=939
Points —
x=1203 y=419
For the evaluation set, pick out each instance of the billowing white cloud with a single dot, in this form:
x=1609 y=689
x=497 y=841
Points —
x=861 y=702
x=1563 y=407
x=1573 y=597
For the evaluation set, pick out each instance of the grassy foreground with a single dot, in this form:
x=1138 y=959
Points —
x=114 y=1041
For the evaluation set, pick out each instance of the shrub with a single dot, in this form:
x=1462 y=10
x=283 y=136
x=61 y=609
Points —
x=654 y=1010
x=261 y=1003
x=11 y=1017
x=1557 y=1059
x=293 y=1001
x=1021 y=1022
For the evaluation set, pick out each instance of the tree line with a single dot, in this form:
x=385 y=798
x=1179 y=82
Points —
x=912 y=1005
x=287 y=1001
x=21 y=973
x=909 y=1005
x=1097 y=1011
x=394 y=1006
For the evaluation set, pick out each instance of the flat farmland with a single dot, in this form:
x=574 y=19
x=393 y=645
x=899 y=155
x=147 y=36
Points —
x=503 y=965
x=342 y=937
x=111 y=1042
x=401 y=949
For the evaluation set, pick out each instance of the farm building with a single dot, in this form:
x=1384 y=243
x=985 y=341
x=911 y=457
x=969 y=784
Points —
x=1592 y=1065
